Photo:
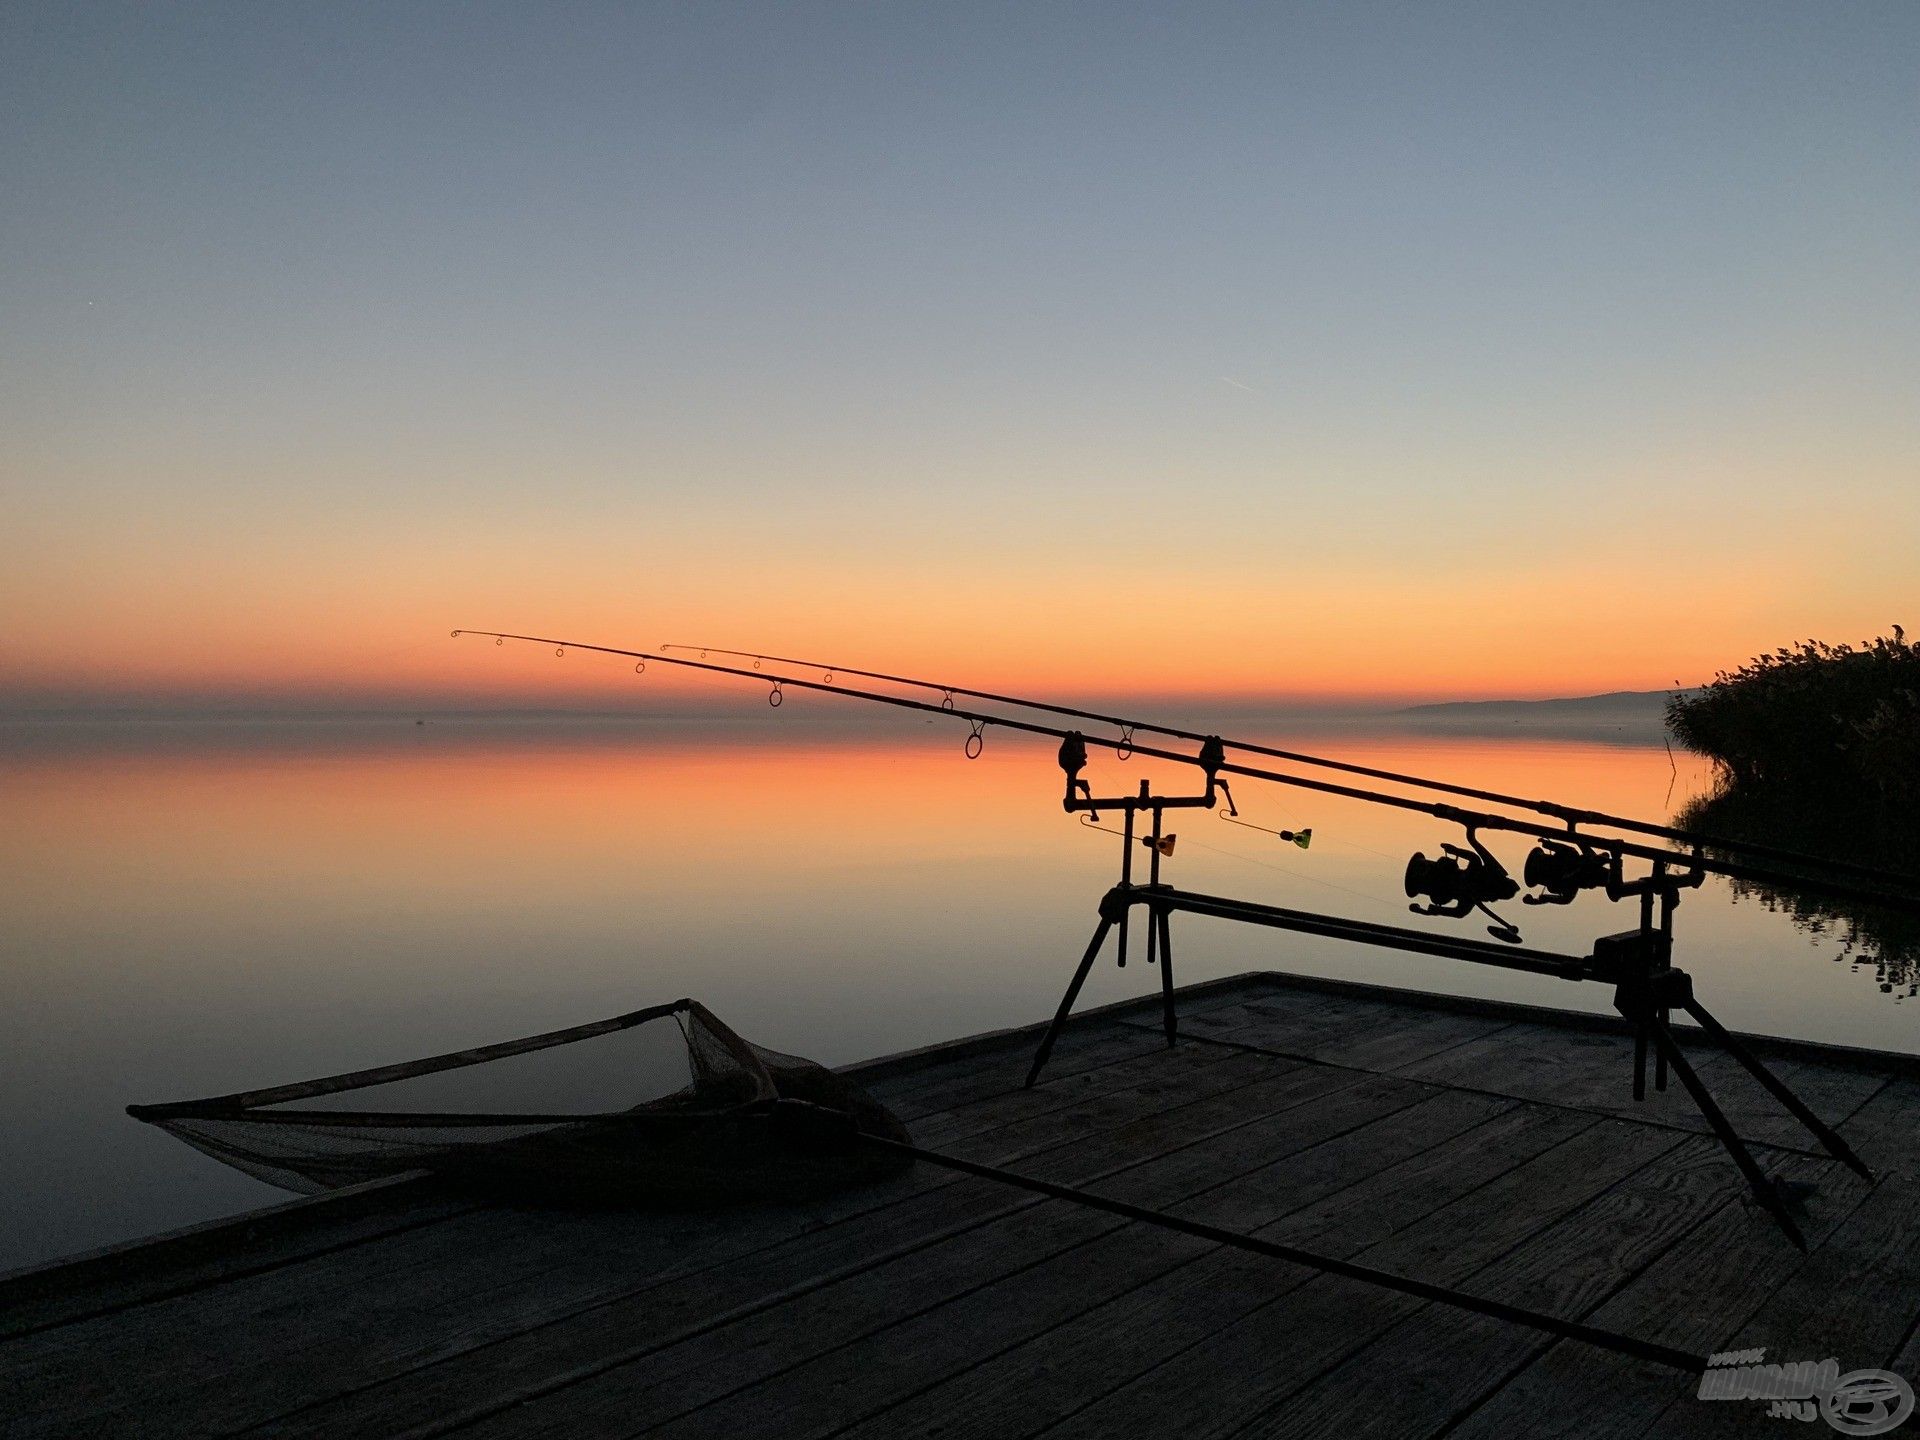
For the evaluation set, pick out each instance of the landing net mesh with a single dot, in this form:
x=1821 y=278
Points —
x=720 y=1136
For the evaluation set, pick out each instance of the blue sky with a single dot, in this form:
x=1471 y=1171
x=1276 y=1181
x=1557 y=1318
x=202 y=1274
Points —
x=1318 y=342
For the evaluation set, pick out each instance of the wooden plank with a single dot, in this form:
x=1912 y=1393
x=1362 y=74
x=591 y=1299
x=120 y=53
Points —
x=1594 y=1071
x=1376 y=1037
x=1385 y=1168
x=1421 y=1035
x=1297 y=1018
x=1699 y=1297
x=1695 y=1297
x=1548 y=1063
x=1315 y=1321
x=978 y=1077
x=474 y=1278
x=1856 y=1299
x=932 y=1311
x=1151 y=1083
x=1830 y=1091
x=1878 y=1062
x=1886 y=1129
x=1093 y=1039
x=1296 y=1023
x=1200 y=995
x=1440 y=1361
x=1906 y=1363
x=304 y=1229
x=326 y=1331
x=1138 y=1075
x=1857 y=1293
x=477 y=1381
x=489 y=1251
x=1409 y=1164
x=1400 y=1199
x=120 y=1276
x=818 y=1398
x=158 y=1267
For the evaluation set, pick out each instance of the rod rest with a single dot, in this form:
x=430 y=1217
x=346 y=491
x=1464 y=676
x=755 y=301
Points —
x=1643 y=984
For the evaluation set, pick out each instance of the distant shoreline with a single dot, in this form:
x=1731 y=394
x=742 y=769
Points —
x=1618 y=704
x=1635 y=703
x=1317 y=729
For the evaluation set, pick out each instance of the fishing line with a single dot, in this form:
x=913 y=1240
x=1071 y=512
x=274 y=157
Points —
x=1571 y=816
x=1302 y=838
x=1464 y=880
x=1698 y=858
x=1375 y=899
x=1293 y=835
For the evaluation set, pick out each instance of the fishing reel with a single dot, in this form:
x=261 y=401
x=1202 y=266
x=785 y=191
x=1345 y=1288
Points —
x=1561 y=869
x=1462 y=881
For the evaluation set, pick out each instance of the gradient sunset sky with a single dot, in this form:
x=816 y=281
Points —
x=1397 y=351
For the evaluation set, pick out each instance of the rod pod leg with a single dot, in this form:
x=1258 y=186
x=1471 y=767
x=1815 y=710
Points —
x=1757 y=1179
x=1780 y=1091
x=1169 y=1019
x=1066 y=1001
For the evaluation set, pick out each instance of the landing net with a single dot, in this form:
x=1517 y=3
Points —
x=703 y=1125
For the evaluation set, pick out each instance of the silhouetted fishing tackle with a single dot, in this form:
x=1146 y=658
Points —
x=1560 y=871
x=1570 y=816
x=1636 y=963
x=1463 y=881
x=1162 y=843
x=1302 y=838
x=1211 y=757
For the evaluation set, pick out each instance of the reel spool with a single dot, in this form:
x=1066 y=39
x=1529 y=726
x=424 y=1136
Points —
x=1461 y=881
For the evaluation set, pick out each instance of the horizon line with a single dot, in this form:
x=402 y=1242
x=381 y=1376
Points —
x=250 y=707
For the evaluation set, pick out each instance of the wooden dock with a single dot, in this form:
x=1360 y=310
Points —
x=1489 y=1148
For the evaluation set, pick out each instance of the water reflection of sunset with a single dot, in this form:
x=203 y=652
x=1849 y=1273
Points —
x=196 y=907
x=400 y=804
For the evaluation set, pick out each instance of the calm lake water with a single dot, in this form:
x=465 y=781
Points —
x=195 y=908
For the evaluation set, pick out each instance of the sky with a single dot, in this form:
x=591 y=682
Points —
x=1314 y=353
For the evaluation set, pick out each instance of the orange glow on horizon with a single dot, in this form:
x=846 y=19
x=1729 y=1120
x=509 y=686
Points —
x=1316 y=635
x=396 y=787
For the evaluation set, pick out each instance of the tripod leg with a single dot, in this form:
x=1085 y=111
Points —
x=1835 y=1146
x=1066 y=1001
x=1168 y=1017
x=1669 y=898
x=1757 y=1181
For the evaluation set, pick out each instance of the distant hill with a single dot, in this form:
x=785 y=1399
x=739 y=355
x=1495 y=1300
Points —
x=1617 y=704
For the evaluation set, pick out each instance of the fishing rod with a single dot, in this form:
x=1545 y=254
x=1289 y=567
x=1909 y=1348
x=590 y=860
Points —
x=1554 y=874
x=1568 y=814
x=1637 y=964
